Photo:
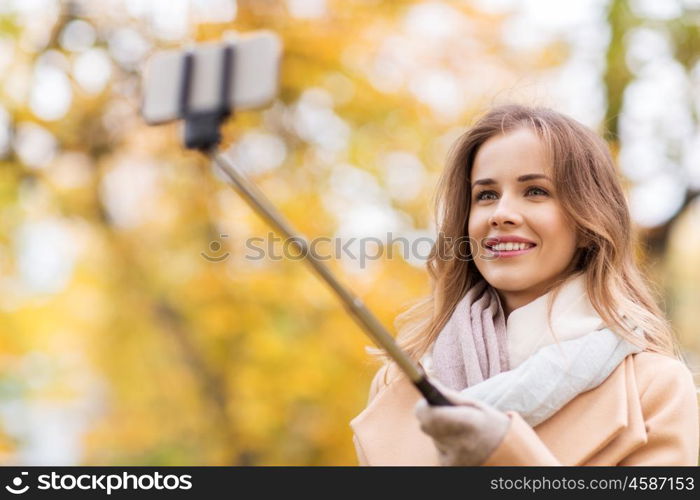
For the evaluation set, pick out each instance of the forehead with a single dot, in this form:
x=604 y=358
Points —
x=507 y=156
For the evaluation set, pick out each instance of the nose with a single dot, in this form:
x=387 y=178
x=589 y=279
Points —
x=505 y=214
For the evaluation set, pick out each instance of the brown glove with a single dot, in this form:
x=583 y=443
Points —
x=465 y=434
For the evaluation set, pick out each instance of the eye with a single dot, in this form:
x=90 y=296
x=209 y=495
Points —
x=538 y=191
x=481 y=195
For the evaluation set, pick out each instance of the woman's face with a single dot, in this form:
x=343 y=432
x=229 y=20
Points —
x=512 y=195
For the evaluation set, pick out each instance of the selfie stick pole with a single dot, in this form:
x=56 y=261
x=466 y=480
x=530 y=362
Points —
x=202 y=133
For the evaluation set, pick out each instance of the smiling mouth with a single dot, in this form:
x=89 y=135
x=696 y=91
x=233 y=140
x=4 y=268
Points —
x=510 y=251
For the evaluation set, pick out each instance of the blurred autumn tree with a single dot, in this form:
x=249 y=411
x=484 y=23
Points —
x=120 y=341
x=652 y=79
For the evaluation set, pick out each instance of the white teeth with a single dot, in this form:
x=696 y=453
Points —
x=506 y=247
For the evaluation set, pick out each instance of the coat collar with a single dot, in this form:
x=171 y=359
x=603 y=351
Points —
x=388 y=432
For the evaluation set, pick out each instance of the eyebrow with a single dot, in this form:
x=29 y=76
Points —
x=522 y=178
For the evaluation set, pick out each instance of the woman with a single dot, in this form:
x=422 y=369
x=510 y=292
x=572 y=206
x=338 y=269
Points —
x=540 y=326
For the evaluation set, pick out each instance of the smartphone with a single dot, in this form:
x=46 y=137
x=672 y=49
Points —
x=253 y=82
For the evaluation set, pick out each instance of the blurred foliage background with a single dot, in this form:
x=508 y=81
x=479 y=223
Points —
x=134 y=326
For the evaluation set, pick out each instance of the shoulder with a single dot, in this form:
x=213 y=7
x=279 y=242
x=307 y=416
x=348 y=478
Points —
x=385 y=375
x=669 y=406
x=651 y=366
x=661 y=378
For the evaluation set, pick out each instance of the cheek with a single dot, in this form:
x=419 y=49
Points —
x=477 y=223
x=557 y=231
x=478 y=229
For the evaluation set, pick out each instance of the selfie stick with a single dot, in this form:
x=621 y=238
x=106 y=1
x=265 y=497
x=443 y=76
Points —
x=202 y=133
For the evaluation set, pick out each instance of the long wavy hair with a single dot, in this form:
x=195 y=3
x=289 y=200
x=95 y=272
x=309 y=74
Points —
x=591 y=195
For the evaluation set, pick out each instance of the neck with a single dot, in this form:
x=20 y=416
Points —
x=510 y=301
x=514 y=300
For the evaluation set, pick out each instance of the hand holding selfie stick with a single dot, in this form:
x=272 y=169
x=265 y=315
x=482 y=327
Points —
x=243 y=74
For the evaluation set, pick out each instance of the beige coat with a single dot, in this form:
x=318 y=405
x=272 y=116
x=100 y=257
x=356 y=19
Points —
x=644 y=413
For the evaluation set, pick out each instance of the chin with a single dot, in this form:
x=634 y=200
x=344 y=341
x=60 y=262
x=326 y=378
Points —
x=509 y=286
x=507 y=283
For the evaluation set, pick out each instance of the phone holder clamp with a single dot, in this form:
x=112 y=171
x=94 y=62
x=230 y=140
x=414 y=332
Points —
x=202 y=128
